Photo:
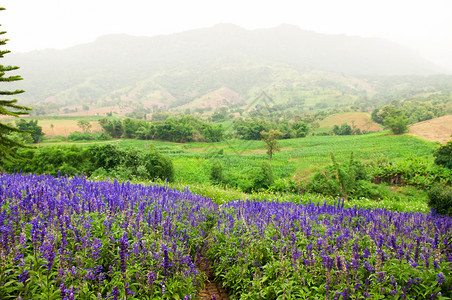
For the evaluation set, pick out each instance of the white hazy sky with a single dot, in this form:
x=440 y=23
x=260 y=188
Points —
x=424 y=25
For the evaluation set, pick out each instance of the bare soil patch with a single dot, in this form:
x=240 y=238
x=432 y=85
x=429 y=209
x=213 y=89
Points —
x=221 y=97
x=52 y=128
x=355 y=119
x=436 y=130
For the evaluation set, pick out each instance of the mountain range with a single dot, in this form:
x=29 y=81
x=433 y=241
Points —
x=223 y=63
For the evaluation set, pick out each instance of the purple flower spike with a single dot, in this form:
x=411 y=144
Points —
x=440 y=278
x=123 y=251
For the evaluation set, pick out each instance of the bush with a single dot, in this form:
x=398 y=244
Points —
x=251 y=179
x=413 y=170
x=158 y=165
x=443 y=156
x=284 y=185
x=345 y=180
x=87 y=136
x=258 y=178
x=440 y=199
x=216 y=172
x=106 y=156
x=69 y=160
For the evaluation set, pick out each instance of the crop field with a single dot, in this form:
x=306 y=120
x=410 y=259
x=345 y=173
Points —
x=297 y=161
x=73 y=238
x=192 y=160
x=64 y=127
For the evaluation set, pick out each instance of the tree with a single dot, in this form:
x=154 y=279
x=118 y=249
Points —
x=300 y=128
x=345 y=129
x=9 y=108
x=32 y=127
x=84 y=125
x=250 y=130
x=271 y=141
x=212 y=133
x=112 y=126
x=397 y=124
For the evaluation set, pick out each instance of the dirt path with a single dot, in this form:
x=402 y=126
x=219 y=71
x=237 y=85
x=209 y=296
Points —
x=212 y=289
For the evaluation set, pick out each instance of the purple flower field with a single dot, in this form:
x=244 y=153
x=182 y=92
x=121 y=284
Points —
x=71 y=238
x=269 y=250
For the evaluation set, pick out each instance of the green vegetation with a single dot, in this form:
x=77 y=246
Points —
x=384 y=170
x=32 y=127
x=443 y=156
x=214 y=148
x=175 y=129
x=105 y=160
x=9 y=107
x=392 y=118
x=440 y=199
x=271 y=141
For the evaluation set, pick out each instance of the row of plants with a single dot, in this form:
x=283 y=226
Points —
x=95 y=160
x=72 y=238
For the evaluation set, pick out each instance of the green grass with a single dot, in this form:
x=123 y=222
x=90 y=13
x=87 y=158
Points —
x=220 y=195
x=301 y=156
x=299 y=159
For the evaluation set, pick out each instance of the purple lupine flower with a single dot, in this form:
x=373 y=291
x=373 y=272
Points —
x=440 y=278
x=114 y=293
x=48 y=252
x=23 y=277
x=123 y=252
x=166 y=262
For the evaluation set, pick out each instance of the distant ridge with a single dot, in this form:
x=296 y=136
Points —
x=190 y=64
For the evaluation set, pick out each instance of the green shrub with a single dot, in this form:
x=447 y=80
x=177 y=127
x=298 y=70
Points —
x=345 y=180
x=443 y=156
x=216 y=172
x=106 y=156
x=87 y=136
x=69 y=160
x=284 y=185
x=440 y=199
x=369 y=190
x=251 y=179
x=158 y=165
x=413 y=170
x=257 y=178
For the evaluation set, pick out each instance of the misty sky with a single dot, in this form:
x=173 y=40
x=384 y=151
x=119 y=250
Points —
x=425 y=26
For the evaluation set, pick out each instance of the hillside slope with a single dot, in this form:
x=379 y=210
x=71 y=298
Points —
x=437 y=130
x=173 y=70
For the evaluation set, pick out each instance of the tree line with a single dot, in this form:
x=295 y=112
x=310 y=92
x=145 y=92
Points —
x=183 y=129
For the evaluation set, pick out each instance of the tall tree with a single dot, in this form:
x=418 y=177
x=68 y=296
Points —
x=9 y=108
x=271 y=141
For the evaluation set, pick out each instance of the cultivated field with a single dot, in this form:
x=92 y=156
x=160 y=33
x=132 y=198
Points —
x=354 y=119
x=63 y=127
x=437 y=130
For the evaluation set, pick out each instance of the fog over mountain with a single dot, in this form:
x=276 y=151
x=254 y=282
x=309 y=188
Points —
x=211 y=57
